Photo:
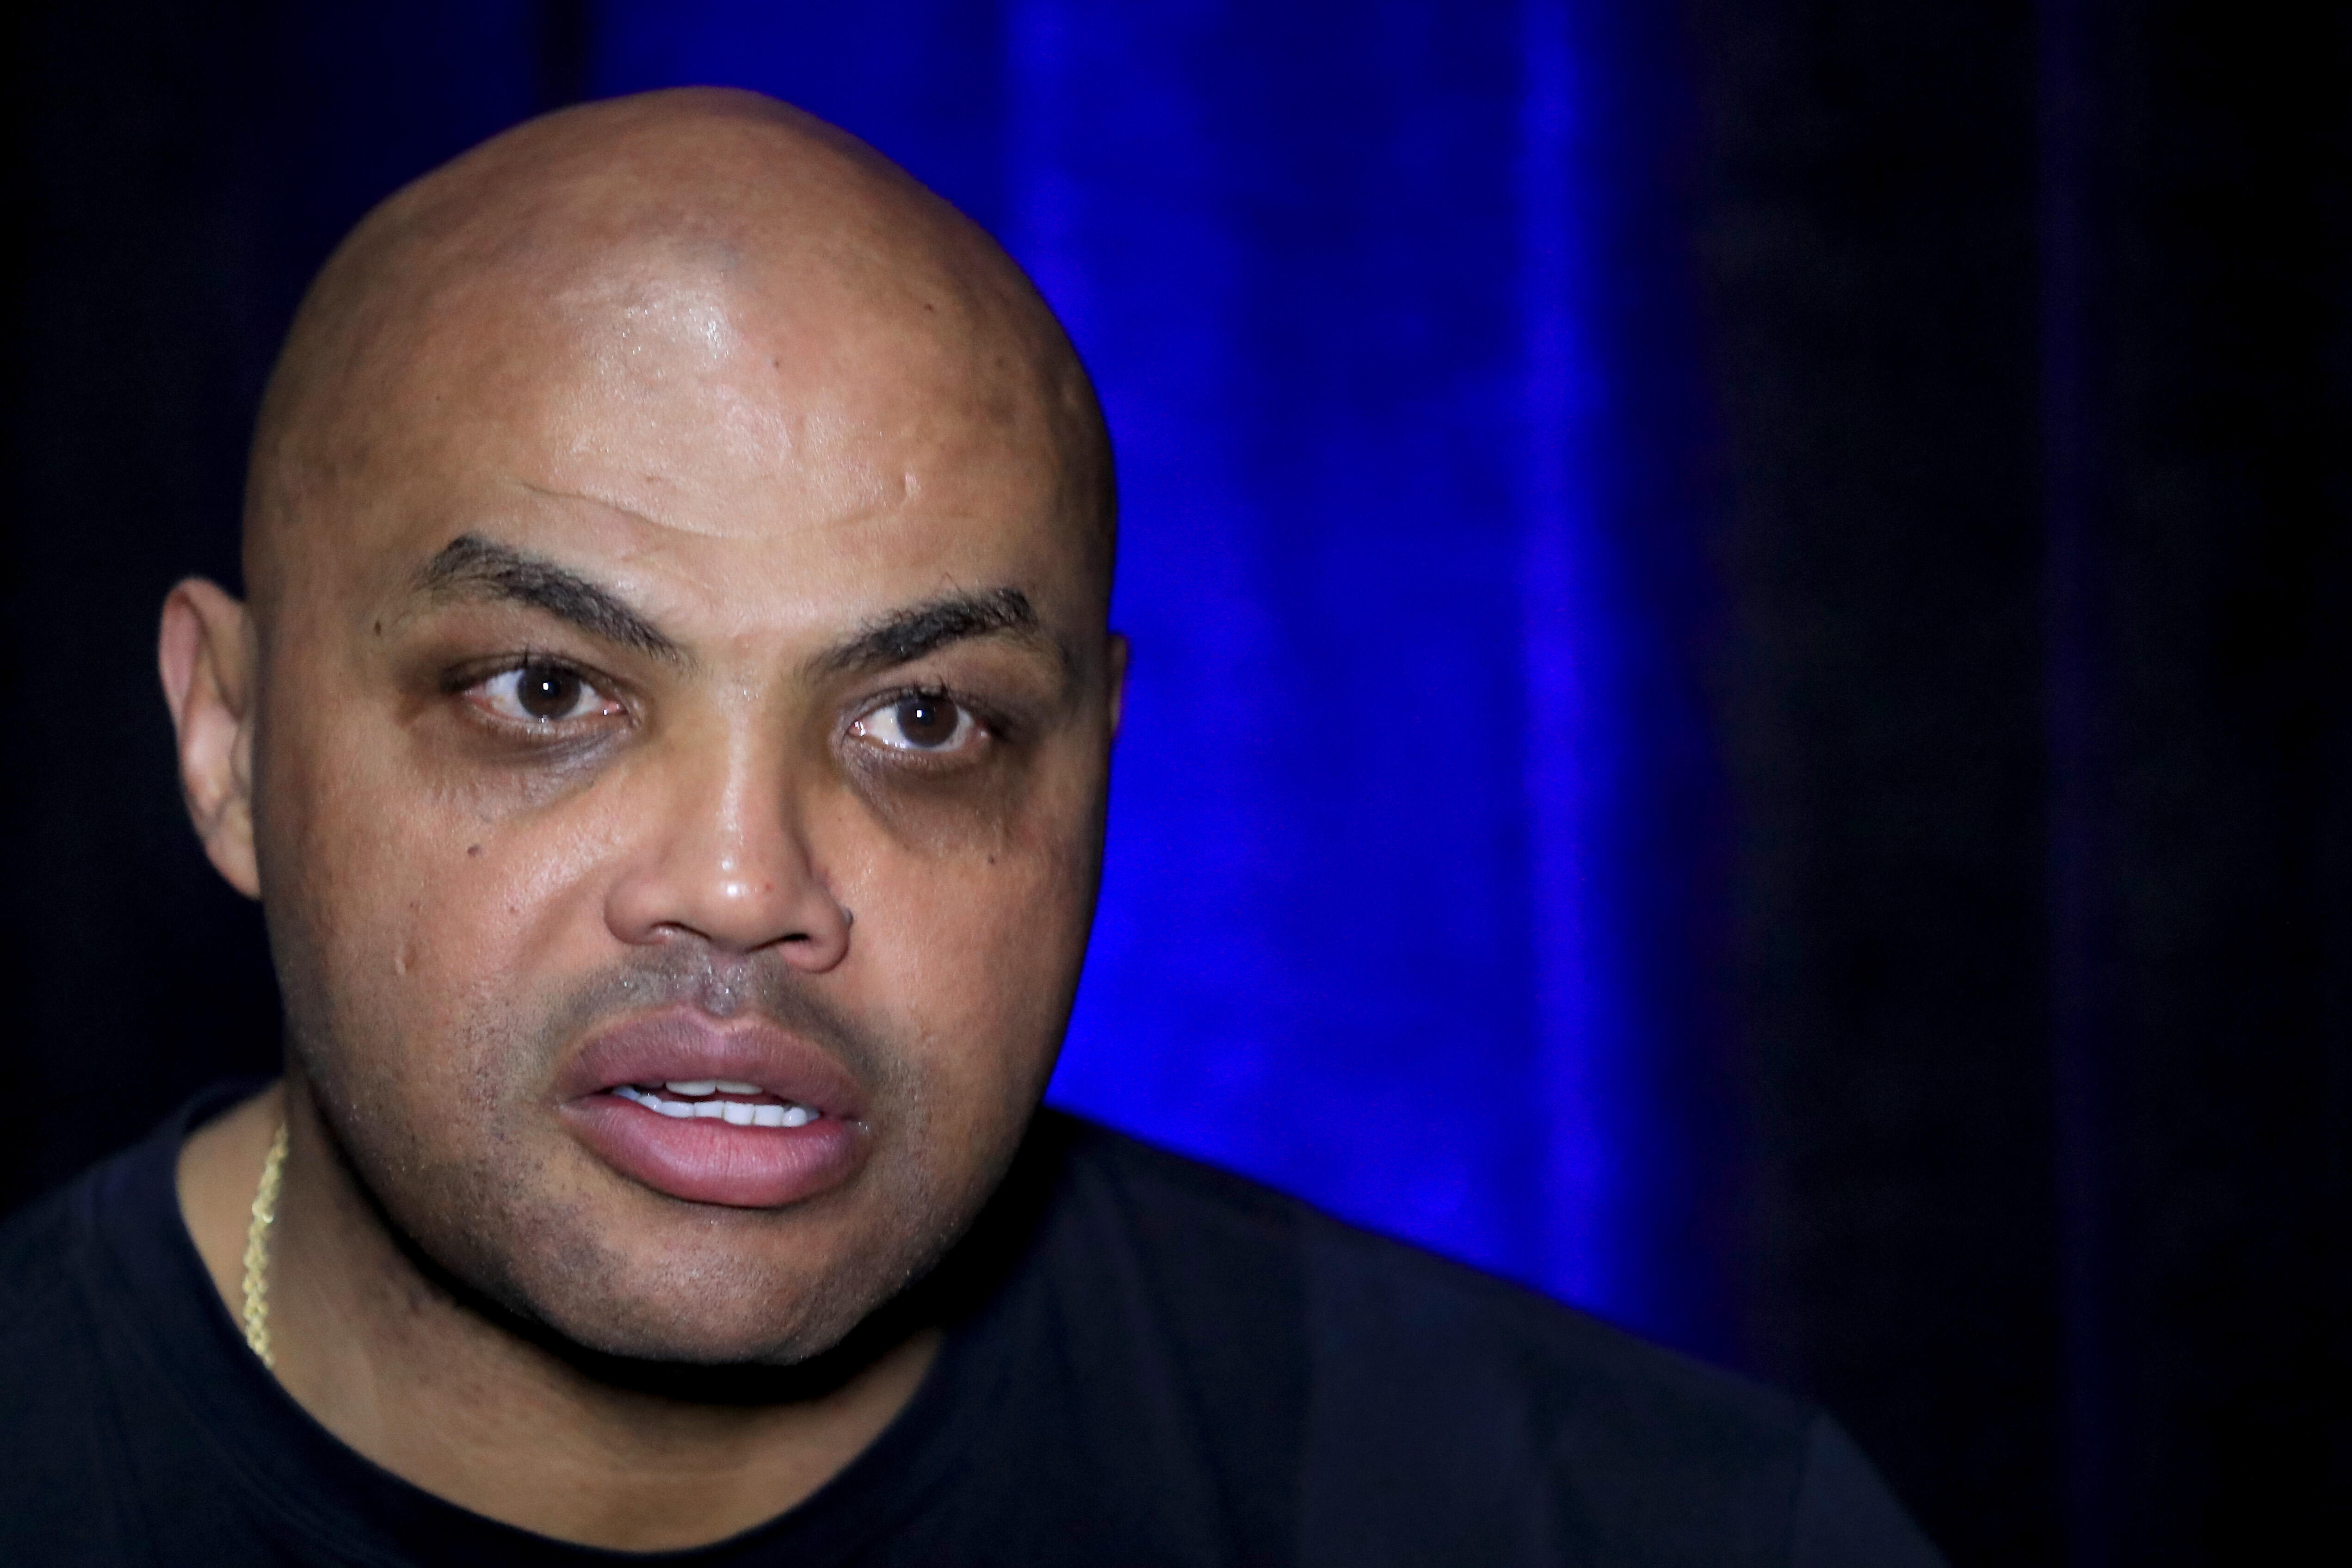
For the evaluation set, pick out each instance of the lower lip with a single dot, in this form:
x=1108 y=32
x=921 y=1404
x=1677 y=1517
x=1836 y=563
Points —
x=706 y=1161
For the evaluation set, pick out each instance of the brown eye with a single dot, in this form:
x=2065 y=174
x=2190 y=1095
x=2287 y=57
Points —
x=927 y=722
x=544 y=692
x=924 y=722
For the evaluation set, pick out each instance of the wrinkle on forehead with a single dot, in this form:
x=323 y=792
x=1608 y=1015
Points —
x=675 y=348
x=762 y=281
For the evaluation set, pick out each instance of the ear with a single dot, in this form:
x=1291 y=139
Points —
x=207 y=656
x=1117 y=680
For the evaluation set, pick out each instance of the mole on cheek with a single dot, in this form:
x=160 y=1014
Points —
x=473 y=849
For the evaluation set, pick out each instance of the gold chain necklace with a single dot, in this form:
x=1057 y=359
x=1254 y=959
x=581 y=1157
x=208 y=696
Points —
x=257 y=1252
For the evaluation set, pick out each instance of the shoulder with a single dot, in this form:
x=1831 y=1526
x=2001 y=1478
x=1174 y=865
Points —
x=56 y=1413
x=1565 y=1437
x=1188 y=1201
x=1445 y=1415
x=1566 y=1372
x=44 y=1265
x=1211 y=1260
x=1374 y=1302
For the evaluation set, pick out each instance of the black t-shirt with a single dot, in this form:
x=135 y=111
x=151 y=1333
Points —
x=1148 y=1362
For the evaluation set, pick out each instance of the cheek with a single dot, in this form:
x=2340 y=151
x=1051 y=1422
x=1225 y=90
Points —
x=974 y=949
x=430 y=913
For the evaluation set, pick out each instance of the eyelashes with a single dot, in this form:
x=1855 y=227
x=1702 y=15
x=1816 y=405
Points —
x=543 y=694
x=544 y=701
x=926 y=721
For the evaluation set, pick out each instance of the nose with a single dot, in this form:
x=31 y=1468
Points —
x=728 y=863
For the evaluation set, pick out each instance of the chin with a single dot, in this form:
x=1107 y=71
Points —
x=543 y=1239
x=744 y=1333
x=700 y=1294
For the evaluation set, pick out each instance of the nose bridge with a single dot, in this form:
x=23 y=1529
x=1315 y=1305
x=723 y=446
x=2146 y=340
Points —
x=729 y=860
x=751 y=840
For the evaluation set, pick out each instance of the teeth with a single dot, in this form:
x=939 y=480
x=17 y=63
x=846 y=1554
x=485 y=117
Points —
x=654 y=1101
x=697 y=1086
x=735 y=1113
x=727 y=1085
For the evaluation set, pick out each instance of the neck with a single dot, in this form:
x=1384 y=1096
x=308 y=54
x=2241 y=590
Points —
x=439 y=1394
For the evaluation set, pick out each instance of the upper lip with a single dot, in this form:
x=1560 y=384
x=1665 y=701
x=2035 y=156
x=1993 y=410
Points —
x=683 y=1044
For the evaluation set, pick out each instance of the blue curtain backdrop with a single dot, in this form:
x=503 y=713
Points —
x=1742 y=610
x=1412 y=814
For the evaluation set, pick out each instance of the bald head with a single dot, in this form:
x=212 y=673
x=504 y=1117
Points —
x=578 y=268
x=675 y=538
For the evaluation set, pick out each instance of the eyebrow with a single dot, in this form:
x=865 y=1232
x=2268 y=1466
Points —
x=470 y=566
x=907 y=635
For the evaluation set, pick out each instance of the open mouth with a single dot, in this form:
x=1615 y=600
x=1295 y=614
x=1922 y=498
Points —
x=734 y=1102
x=736 y=1113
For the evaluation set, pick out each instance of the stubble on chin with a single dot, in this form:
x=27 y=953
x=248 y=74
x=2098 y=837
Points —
x=455 y=1147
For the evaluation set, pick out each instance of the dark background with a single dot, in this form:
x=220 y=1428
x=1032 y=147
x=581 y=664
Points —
x=2026 y=370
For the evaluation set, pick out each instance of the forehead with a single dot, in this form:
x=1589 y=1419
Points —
x=748 y=438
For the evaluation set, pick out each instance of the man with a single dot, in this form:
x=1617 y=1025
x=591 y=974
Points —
x=668 y=734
